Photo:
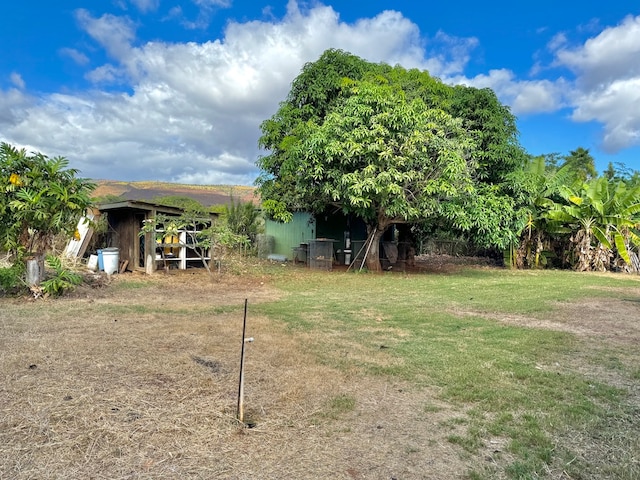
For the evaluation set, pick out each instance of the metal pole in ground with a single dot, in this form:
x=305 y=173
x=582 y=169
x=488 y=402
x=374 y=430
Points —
x=240 y=411
x=355 y=258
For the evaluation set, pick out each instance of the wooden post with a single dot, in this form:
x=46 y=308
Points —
x=241 y=383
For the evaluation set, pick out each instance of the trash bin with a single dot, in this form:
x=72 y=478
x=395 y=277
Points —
x=299 y=255
x=111 y=260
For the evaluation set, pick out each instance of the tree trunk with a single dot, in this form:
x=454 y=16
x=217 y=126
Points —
x=35 y=269
x=373 y=253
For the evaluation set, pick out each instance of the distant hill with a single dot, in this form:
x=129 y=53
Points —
x=207 y=195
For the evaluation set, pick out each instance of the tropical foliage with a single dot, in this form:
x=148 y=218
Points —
x=11 y=278
x=582 y=164
x=243 y=219
x=61 y=280
x=602 y=220
x=584 y=224
x=535 y=188
x=41 y=198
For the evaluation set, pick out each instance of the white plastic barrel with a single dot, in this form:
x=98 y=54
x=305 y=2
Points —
x=111 y=259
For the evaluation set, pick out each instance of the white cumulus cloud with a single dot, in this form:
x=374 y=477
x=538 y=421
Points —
x=523 y=96
x=75 y=55
x=115 y=34
x=146 y=5
x=617 y=106
x=607 y=85
x=603 y=84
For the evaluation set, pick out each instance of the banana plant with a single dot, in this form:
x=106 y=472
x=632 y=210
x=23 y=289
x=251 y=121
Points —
x=602 y=218
x=540 y=188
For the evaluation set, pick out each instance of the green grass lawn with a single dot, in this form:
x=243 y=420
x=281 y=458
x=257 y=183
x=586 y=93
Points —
x=520 y=384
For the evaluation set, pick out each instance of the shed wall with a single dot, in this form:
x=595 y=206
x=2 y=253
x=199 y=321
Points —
x=124 y=226
x=287 y=236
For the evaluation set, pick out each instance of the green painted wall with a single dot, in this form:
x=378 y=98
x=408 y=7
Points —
x=287 y=236
x=304 y=227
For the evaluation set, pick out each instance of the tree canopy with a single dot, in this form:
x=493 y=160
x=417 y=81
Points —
x=582 y=163
x=388 y=145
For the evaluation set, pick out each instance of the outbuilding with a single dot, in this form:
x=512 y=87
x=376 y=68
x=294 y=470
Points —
x=143 y=251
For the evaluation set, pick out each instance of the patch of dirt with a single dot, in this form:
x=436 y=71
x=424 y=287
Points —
x=193 y=286
x=602 y=323
x=607 y=327
x=442 y=263
x=603 y=318
x=600 y=319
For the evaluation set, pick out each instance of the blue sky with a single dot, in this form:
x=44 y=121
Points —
x=176 y=90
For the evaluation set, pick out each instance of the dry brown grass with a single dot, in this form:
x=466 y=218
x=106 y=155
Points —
x=142 y=383
x=139 y=380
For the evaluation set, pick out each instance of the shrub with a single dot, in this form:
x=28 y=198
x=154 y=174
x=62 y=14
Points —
x=62 y=279
x=11 y=278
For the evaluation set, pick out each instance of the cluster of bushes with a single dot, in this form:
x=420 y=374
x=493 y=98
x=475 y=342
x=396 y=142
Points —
x=42 y=199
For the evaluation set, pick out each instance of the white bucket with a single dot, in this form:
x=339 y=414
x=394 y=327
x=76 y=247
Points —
x=111 y=259
x=92 y=264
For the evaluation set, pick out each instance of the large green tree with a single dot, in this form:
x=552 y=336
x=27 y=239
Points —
x=390 y=145
x=381 y=157
x=495 y=212
x=494 y=130
x=582 y=163
x=313 y=94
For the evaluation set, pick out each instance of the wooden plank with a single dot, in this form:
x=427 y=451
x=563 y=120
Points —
x=123 y=266
x=76 y=248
